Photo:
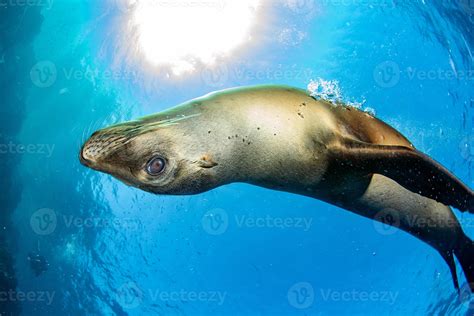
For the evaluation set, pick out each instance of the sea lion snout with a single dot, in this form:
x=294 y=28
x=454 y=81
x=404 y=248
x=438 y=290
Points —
x=93 y=149
x=101 y=145
x=87 y=153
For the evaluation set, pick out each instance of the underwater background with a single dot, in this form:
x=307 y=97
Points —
x=114 y=250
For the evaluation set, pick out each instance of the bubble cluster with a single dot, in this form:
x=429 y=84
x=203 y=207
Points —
x=329 y=90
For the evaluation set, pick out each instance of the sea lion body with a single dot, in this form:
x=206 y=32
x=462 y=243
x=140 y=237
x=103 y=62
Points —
x=282 y=138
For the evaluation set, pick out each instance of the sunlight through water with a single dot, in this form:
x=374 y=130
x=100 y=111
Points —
x=182 y=34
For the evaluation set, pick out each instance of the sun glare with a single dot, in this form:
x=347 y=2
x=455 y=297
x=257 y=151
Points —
x=182 y=34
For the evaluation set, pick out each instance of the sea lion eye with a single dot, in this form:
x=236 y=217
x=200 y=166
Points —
x=155 y=166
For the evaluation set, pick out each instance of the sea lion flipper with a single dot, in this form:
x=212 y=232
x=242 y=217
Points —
x=410 y=168
x=449 y=259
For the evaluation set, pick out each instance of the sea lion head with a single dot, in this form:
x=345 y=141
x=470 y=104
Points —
x=155 y=155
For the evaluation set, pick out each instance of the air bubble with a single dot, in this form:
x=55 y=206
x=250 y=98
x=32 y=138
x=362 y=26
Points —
x=330 y=91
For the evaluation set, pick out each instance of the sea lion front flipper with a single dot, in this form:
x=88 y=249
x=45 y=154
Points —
x=410 y=168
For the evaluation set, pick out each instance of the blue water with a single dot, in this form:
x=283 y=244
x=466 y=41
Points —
x=114 y=250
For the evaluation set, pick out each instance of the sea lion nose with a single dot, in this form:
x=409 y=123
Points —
x=90 y=150
x=85 y=156
x=100 y=146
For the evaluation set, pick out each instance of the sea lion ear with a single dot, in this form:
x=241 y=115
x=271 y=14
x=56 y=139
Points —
x=206 y=162
x=410 y=168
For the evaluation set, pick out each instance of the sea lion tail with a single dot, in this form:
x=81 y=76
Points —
x=465 y=254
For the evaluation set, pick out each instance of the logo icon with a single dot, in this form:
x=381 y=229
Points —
x=301 y=295
x=387 y=222
x=302 y=7
x=43 y=221
x=467 y=148
x=216 y=76
x=215 y=222
x=44 y=74
x=387 y=74
x=129 y=295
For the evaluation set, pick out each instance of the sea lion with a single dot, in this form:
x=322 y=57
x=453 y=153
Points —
x=282 y=138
